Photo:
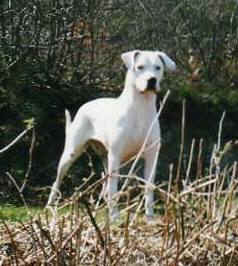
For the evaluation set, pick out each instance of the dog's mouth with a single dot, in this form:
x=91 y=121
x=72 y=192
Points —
x=149 y=90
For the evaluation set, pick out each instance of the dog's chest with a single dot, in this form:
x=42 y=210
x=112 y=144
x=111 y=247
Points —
x=138 y=127
x=120 y=127
x=135 y=134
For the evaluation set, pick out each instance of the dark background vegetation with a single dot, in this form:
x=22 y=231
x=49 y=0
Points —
x=57 y=54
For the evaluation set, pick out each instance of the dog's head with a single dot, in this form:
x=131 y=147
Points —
x=146 y=68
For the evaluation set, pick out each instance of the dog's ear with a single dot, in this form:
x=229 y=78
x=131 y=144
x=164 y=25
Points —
x=129 y=58
x=167 y=61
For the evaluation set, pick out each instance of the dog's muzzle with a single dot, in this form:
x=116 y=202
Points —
x=151 y=84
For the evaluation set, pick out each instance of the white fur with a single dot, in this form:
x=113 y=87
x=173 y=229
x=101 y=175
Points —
x=120 y=124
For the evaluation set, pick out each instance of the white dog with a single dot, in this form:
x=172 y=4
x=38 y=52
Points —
x=120 y=124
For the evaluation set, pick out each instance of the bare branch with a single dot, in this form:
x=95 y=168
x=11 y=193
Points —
x=15 y=140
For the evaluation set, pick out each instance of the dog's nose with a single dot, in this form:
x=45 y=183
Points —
x=151 y=85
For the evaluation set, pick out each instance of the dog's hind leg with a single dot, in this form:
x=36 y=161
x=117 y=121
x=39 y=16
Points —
x=75 y=141
x=65 y=162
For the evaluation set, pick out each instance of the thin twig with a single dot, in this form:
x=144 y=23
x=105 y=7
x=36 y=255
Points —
x=15 y=140
x=199 y=160
x=220 y=131
x=189 y=162
x=73 y=233
x=99 y=234
x=33 y=140
x=178 y=175
x=18 y=189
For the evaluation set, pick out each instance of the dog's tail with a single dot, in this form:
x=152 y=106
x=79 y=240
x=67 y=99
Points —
x=67 y=121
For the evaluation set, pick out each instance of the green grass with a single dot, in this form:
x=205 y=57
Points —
x=12 y=213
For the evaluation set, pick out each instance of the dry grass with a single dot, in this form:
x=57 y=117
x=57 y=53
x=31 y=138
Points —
x=197 y=222
x=197 y=225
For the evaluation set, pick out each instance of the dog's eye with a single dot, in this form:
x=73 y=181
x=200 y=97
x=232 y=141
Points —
x=157 y=67
x=140 y=67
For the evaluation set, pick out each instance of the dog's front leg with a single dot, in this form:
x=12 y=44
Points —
x=112 y=184
x=151 y=157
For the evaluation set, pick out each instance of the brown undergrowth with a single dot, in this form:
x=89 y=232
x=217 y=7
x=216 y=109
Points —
x=197 y=225
x=196 y=222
